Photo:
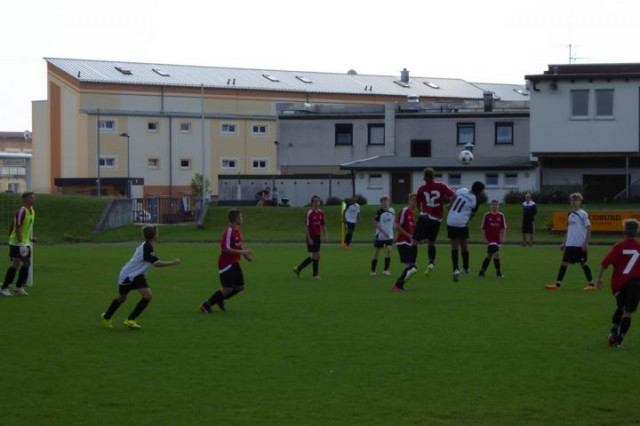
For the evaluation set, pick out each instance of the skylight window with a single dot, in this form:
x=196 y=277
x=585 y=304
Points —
x=432 y=85
x=521 y=92
x=304 y=79
x=402 y=84
x=271 y=78
x=159 y=71
x=125 y=71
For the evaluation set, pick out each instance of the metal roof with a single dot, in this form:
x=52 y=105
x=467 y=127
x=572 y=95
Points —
x=99 y=71
x=440 y=163
x=505 y=92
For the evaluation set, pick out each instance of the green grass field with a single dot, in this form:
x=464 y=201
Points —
x=342 y=351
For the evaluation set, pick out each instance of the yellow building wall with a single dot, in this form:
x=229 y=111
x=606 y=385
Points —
x=41 y=166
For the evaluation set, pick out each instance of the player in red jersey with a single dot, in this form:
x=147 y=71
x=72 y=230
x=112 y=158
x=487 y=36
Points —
x=229 y=269
x=625 y=281
x=494 y=229
x=314 y=226
x=430 y=199
x=405 y=225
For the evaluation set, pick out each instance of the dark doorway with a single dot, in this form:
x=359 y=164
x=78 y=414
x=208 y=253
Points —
x=421 y=148
x=602 y=188
x=400 y=187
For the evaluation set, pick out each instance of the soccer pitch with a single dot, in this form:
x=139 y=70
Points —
x=342 y=351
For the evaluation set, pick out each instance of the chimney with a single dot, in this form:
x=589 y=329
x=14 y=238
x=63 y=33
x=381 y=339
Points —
x=404 y=75
x=487 y=97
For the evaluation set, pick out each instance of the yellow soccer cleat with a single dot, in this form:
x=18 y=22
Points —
x=106 y=322
x=132 y=325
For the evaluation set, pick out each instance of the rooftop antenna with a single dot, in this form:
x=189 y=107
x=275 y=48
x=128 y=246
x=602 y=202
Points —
x=572 y=58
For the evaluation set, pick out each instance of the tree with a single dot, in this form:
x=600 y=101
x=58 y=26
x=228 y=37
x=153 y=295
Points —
x=196 y=187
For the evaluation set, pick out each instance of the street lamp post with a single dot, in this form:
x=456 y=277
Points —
x=126 y=135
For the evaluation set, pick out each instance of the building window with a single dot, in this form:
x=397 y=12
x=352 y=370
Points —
x=185 y=127
x=229 y=163
x=153 y=126
x=260 y=129
x=185 y=164
x=107 y=125
x=491 y=179
x=579 y=103
x=504 y=133
x=421 y=148
x=228 y=129
x=376 y=134
x=260 y=163
x=511 y=179
x=466 y=133
x=107 y=162
x=455 y=179
x=344 y=134
x=153 y=163
x=604 y=102
x=375 y=181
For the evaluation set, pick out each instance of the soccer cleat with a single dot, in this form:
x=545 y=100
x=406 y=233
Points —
x=612 y=339
x=106 y=323
x=204 y=309
x=590 y=287
x=372 y=273
x=222 y=306
x=21 y=291
x=410 y=274
x=6 y=292
x=429 y=271
x=552 y=287
x=398 y=289
x=317 y=278
x=466 y=271
x=296 y=271
x=481 y=274
x=456 y=275
x=500 y=276
x=386 y=272
x=132 y=324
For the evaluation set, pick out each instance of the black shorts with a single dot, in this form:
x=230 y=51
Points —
x=14 y=253
x=232 y=277
x=458 y=232
x=315 y=247
x=493 y=248
x=382 y=243
x=408 y=253
x=528 y=227
x=138 y=282
x=574 y=255
x=426 y=229
x=350 y=227
x=629 y=295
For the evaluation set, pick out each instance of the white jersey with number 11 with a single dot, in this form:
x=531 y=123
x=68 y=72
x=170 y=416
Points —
x=461 y=209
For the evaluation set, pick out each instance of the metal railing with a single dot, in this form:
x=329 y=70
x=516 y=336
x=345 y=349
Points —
x=165 y=210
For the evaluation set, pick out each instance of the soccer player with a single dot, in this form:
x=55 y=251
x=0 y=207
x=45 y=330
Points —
x=405 y=225
x=494 y=229
x=529 y=212
x=384 y=220
x=20 y=245
x=576 y=243
x=625 y=281
x=460 y=213
x=132 y=277
x=229 y=269
x=351 y=217
x=314 y=227
x=430 y=200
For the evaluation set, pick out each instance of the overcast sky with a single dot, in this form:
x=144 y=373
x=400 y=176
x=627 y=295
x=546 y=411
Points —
x=480 y=41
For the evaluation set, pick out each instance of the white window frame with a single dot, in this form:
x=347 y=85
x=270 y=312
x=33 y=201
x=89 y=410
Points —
x=114 y=166
x=150 y=167
x=450 y=179
x=188 y=123
x=185 y=167
x=227 y=132
x=571 y=104
x=157 y=125
x=223 y=167
x=266 y=162
x=107 y=129
x=372 y=181
x=253 y=129
x=605 y=116
x=508 y=176
x=497 y=176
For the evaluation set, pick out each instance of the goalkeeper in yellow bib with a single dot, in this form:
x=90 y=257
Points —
x=20 y=246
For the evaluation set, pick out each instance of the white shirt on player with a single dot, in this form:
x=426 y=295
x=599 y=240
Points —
x=143 y=258
x=577 y=224
x=385 y=219
x=352 y=212
x=462 y=207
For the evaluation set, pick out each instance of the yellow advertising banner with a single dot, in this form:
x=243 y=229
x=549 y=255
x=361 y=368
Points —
x=601 y=220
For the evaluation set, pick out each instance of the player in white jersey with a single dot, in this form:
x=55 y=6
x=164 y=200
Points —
x=351 y=218
x=575 y=243
x=460 y=213
x=385 y=220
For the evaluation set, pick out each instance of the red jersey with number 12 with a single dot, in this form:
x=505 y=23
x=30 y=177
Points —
x=231 y=239
x=431 y=199
x=625 y=258
x=315 y=221
x=492 y=224
x=407 y=221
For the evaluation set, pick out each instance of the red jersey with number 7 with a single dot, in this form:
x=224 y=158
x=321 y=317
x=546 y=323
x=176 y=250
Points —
x=231 y=239
x=430 y=199
x=314 y=222
x=493 y=224
x=625 y=258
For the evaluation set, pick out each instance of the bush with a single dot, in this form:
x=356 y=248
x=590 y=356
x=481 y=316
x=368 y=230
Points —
x=333 y=201
x=548 y=195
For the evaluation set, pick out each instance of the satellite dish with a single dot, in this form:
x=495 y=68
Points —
x=27 y=135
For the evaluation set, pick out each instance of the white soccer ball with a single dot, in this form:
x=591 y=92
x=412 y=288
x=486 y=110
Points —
x=465 y=157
